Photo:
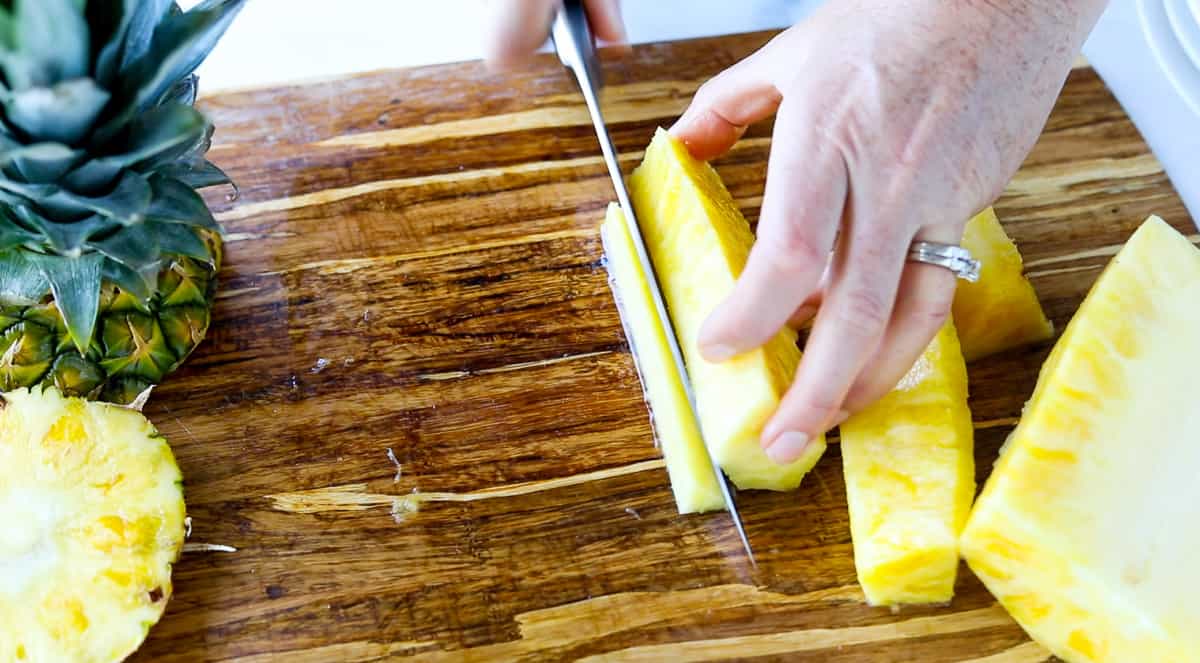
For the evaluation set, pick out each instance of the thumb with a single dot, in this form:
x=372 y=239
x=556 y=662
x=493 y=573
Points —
x=724 y=106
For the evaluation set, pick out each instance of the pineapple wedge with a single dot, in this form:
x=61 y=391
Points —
x=909 y=465
x=693 y=480
x=1001 y=310
x=1086 y=530
x=91 y=519
x=699 y=242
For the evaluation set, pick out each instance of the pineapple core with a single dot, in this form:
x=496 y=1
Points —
x=91 y=519
x=1001 y=310
x=1086 y=530
x=699 y=241
x=910 y=477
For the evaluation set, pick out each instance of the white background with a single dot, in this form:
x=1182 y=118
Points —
x=279 y=41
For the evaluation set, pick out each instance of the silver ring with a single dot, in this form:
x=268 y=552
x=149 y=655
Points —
x=952 y=257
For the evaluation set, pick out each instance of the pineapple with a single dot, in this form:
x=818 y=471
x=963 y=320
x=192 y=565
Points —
x=1001 y=310
x=699 y=243
x=693 y=480
x=909 y=465
x=107 y=253
x=1085 y=530
x=91 y=520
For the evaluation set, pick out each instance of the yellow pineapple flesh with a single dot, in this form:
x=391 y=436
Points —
x=1086 y=530
x=91 y=520
x=693 y=479
x=910 y=477
x=699 y=241
x=1001 y=310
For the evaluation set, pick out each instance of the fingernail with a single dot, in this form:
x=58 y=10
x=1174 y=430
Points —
x=787 y=447
x=842 y=416
x=718 y=352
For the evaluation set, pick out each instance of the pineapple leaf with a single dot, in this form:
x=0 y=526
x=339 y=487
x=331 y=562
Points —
x=176 y=202
x=53 y=34
x=75 y=283
x=138 y=284
x=146 y=15
x=182 y=92
x=178 y=239
x=197 y=175
x=63 y=113
x=109 y=21
x=42 y=162
x=126 y=203
x=21 y=282
x=65 y=238
x=13 y=234
x=177 y=47
x=8 y=31
x=159 y=132
x=183 y=152
x=136 y=247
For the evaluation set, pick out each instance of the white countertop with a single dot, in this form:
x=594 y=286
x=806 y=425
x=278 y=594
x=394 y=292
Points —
x=279 y=41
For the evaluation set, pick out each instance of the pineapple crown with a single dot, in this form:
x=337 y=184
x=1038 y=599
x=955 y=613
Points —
x=101 y=149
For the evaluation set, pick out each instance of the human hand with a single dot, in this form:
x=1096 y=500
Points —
x=517 y=28
x=894 y=121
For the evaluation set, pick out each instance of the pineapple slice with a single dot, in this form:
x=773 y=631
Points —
x=699 y=243
x=693 y=480
x=91 y=519
x=1086 y=530
x=909 y=465
x=1001 y=310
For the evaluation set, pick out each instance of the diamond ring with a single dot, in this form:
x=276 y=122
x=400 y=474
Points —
x=952 y=257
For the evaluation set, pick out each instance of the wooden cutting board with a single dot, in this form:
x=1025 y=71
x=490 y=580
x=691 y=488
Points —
x=413 y=271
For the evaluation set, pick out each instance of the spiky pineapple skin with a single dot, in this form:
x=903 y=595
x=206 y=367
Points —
x=1085 y=530
x=136 y=344
x=91 y=521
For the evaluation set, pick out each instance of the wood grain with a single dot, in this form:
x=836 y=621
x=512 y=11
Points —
x=413 y=278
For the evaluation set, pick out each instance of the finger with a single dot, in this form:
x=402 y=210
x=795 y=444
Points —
x=517 y=28
x=803 y=316
x=802 y=205
x=846 y=333
x=725 y=105
x=604 y=16
x=922 y=308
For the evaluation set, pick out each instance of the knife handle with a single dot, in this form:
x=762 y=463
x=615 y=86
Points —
x=576 y=47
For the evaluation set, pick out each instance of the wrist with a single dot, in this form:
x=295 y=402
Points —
x=1063 y=21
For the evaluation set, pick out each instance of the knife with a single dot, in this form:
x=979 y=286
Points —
x=576 y=49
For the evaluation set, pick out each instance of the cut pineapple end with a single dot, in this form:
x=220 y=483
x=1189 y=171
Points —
x=693 y=479
x=1085 y=530
x=91 y=519
x=699 y=242
x=1001 y=310
x=908 y=461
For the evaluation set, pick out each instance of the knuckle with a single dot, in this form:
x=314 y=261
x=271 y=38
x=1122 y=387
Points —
x=863 y=311
x=707 y=92
x=791 y=248
x=935 y=315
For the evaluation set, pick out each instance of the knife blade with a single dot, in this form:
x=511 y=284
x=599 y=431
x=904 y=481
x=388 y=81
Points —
x=573 y=41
